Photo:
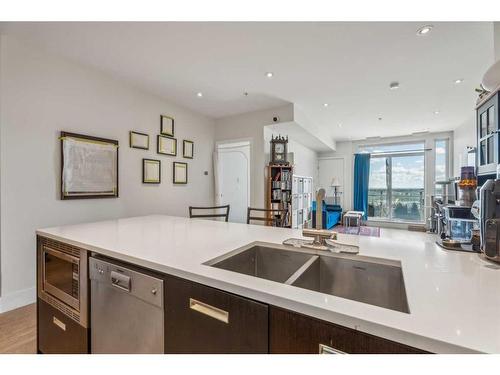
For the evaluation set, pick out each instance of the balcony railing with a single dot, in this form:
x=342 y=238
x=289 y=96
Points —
x=401 y=204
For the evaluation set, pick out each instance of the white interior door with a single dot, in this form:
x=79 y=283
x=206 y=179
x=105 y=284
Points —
x=328 y=169
x=234 y=178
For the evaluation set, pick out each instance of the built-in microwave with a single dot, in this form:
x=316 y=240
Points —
x=62 y=274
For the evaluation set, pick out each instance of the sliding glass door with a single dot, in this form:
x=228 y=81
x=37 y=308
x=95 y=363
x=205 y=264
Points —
x=378 y=188
x=397 y=182
x=407 y=192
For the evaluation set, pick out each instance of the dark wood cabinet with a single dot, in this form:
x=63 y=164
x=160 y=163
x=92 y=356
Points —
x=293 y=333
x=201 y=319
x=488 y=136
x=58 y=334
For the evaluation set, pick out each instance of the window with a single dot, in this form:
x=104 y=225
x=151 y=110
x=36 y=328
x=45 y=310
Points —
x=397 y=180
x=441 y=165
x=486 y=135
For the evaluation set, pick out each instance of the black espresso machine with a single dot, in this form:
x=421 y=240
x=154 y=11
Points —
x=490 y=219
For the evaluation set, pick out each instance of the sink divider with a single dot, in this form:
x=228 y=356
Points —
x=301 y=270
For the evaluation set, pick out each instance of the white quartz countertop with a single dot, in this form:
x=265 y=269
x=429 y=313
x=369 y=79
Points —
x=454 y=297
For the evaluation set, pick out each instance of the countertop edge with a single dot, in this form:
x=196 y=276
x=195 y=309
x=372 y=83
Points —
x=358 y=324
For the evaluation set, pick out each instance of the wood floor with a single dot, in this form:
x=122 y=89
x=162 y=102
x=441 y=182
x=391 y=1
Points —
x=18 y=330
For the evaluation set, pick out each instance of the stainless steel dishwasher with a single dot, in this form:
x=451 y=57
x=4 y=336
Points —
x=126 y=310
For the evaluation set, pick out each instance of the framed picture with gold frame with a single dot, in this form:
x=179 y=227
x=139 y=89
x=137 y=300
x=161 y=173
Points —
x=139 y=140
x=151 y=171
x=187 y=149
x=180 y=173
x=166 y=145
x=167 y=125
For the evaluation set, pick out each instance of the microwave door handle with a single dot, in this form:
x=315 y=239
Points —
x=61 y=255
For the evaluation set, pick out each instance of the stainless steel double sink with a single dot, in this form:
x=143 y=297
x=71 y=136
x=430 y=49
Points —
x=375 y=281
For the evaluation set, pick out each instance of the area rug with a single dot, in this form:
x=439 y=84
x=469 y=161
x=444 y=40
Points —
x=360 y=231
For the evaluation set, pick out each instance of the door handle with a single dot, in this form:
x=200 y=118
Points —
x=208 y=310
x=325 y=349
x=120 y=281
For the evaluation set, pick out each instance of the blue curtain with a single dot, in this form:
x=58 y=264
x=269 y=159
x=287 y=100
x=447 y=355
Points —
x=361 y=177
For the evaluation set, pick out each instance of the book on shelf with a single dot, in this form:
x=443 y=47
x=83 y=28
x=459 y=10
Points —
x=286 y=175
x=281 y=195
x=280 y=206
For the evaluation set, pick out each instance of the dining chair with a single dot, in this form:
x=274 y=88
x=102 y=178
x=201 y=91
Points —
x=210 y=212
x=274 y=217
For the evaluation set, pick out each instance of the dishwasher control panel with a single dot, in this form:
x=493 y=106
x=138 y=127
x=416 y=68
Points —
x=145 y=287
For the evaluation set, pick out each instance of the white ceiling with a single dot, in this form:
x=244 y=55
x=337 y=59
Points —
x=347 y=65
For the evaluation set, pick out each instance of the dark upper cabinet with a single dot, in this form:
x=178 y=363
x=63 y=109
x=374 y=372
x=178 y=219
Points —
x=293 y=333
x=201 y=319
x=488 y=136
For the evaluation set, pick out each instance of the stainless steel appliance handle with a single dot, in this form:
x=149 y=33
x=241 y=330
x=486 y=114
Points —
x=120 y=281
x=325 y=349
x=208 y=310
x=61 y=255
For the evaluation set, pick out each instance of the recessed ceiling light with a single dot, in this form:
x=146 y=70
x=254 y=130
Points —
x=199 y=95
x=424 y=30
x=460 y=80
x=436 y=112
x=394 y=85
x=340 y=125
x=269 y=74
x=325 y=105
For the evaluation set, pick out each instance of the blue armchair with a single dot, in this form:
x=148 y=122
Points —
x=332 y=214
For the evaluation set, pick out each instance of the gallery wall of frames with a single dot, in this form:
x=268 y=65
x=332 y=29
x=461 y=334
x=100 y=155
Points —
x=89 y=165
x=166 y=146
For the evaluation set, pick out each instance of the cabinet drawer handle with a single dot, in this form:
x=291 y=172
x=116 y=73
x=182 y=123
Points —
x=325 y=349
x=208 y=310
x=58 y=323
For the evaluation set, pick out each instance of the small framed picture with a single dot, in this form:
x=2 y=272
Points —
x=167 y=145
x=139 y=140
x=151 y=171
x=187 y=149
x=180 y=173
x=167 y=126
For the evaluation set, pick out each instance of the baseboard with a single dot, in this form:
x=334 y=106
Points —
x=17 y=299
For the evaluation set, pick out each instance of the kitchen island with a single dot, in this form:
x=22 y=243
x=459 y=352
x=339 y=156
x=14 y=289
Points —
x=452 y=296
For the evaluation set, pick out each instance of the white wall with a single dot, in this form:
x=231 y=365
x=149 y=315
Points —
x=40 y=95
x=345 y=151
x=250 y=126
x=496 y=40
x=305 y=160
x=463 y=136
